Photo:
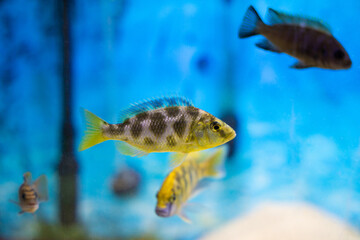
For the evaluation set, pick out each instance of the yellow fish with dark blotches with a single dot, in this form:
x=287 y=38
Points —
x=308 y=40
x=183 y=181
x=32 y=193
x=169 y=124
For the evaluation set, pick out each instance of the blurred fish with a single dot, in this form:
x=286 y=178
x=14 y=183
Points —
x=126 y=182
x=184 y=182
x=170 y=124
x=31 y=194
x=308 y=40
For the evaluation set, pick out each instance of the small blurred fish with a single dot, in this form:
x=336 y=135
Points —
x=184 y=181
x=31 y=194
x=170 y=124
x=308 y=40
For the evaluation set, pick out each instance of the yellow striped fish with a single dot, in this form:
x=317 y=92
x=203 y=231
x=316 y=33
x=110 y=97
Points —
x=169 y=124
x=31 y=194
x=182 y=182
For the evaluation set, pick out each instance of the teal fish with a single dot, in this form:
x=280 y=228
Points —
x=308 y=40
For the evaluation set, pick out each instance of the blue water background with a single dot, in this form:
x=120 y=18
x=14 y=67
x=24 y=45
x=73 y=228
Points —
x=299 y=131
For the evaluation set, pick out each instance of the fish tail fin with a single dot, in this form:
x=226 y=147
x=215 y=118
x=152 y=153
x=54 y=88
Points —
x=251 y=23
x=93 y=133
x=214 y=165
x=41 y=187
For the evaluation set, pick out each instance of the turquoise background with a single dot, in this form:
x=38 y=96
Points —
x=298 y=137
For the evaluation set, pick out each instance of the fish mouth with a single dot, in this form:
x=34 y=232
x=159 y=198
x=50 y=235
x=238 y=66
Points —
x=163 y=212
x=348 y=64
x=232 y=136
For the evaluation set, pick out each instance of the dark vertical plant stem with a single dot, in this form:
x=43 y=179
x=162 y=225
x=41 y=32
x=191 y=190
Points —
x=68 y=166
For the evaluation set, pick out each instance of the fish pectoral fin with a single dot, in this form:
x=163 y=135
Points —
x=184 y=217
x=15 y=202
x=127 y=149
x=41 y=187
x=176 y=159
x=193 y=208
x=267 y=45
x=200 y=186
x=300 y=65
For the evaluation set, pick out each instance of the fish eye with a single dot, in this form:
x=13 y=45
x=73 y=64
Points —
x=157 y=195
x=215 y=126
x=338 y=54
x=172 y=198
x=23 y=196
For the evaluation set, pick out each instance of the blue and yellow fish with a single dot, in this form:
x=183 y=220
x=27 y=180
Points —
x=169 y=124
x=32 y=193
x=183 y=181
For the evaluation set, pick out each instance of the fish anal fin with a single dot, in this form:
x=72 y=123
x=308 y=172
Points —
x=176 y=159
x=267 y=45
x=21 y=212
x=41 y=187
x=129 y=150
x=300 y=65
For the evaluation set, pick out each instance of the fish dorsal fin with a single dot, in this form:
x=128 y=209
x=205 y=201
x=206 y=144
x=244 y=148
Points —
x=275 y=17
x=27 y=177
x=152 y=104
x=41 y=188
x=214 y=166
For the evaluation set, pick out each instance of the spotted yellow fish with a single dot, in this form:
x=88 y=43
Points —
x=183 y=181
x=169 y=124
x=32 y=193
x=308 y=40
